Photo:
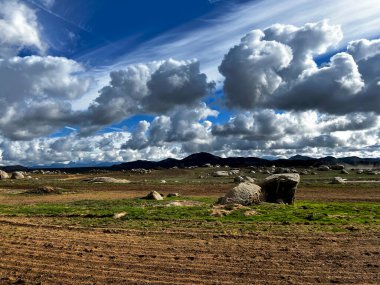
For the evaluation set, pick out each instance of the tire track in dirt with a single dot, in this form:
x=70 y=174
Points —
x=90 y=256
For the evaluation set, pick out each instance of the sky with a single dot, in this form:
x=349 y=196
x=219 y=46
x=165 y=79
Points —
x=94 y=82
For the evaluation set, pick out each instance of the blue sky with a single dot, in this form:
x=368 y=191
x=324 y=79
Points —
x=93 y=81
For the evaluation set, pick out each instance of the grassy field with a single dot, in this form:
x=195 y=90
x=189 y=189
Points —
x=93 y=210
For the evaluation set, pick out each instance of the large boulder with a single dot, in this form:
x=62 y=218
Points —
x=323 y=168
x=280 y=188
x=221 y=174
x=3 y=175
x=17 y=175
x=244 y=194
x=337 y=167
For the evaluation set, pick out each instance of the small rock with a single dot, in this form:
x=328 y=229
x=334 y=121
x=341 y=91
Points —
x=119 y=215
x=154 y=195
x=338 y=180
x=238 y=179
x=221 y=173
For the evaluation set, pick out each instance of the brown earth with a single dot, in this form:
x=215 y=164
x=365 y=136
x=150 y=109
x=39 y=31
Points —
x=112 y=192
x=41 y=254
x=33 y=251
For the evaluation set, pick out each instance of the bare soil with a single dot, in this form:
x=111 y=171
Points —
x=32 y=253
x=107 y=192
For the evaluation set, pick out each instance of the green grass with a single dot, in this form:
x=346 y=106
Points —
x=302 y=213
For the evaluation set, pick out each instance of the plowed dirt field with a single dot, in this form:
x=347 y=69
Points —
x=33 y=253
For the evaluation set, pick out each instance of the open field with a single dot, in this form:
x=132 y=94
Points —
x=330 y=235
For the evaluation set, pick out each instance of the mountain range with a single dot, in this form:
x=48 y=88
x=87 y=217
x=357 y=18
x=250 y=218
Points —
x=203 y=158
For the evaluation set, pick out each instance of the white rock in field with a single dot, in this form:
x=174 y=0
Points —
x=119 y=215
x=154 y=195
x=106 y=180
x=221 y=174
x=338 y=180
x=17 y=175
x=3 y=175
x=244 y=194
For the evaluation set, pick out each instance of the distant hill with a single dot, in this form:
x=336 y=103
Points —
x=203 y=158
x=11 y=168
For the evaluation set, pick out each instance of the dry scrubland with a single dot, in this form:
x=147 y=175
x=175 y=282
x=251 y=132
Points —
x=71 y=236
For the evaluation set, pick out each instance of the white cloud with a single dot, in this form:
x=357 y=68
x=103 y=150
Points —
x=210 y=41
x=287 y=77
x=251 y=69
x=36 y=94
x=153 y=88
x=18 y=28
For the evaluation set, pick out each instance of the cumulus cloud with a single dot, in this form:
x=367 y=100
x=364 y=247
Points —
x=181 y=126
x=154 y=88
x=349 y=82
x=98 y=148
x=266 y=131
x=251 y=69
x=19 y=28
x=331 y=88
x=36 y=94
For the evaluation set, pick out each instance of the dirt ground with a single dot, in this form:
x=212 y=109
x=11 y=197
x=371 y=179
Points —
x=210 y=190
x=32 y=251
x=42 y=254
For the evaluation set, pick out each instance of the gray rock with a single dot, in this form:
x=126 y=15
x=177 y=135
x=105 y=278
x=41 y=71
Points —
x=282 y=170
x=234 y=171
x=17 y=175
x=221 y=173
x=106 y=180
x=371 y=172
x=344 y=171
x=280 y=188
x=337 y=167
x=249 y=179
x=338 y=180
x=154 y=195
x=244 y=194
x=323 y=168
x=173 y=195
x=238 y=179
x=3 y=175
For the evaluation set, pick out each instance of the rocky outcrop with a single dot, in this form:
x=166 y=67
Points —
x=280 y=188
